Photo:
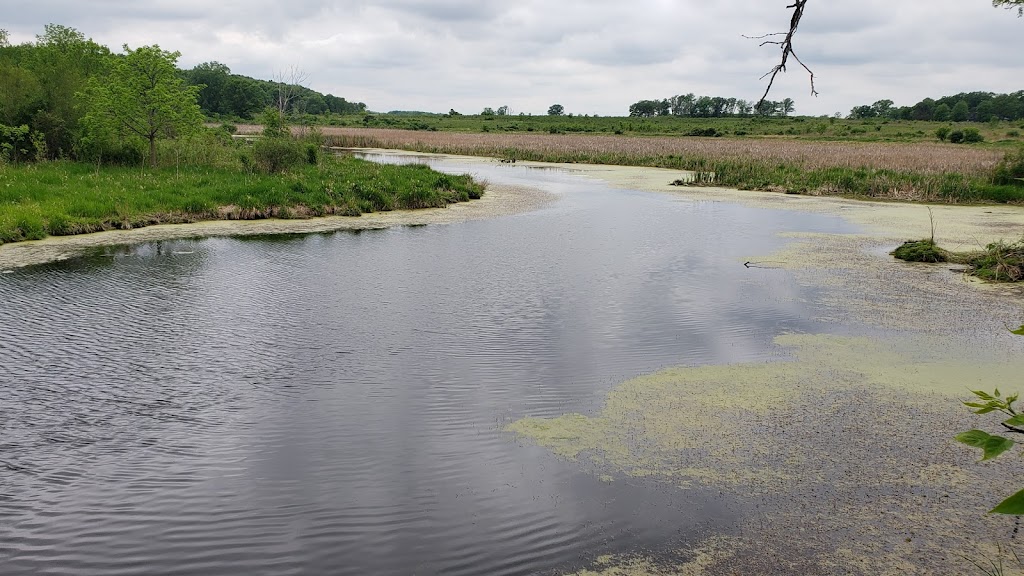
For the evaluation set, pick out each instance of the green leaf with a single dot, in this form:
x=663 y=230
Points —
x=992 y=446
x=985 y=410
x=1014 y=505
x=1019 y=332
x=1016 y=421
x=983 y=395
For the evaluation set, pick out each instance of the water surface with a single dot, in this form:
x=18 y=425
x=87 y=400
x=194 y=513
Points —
x=334 y=403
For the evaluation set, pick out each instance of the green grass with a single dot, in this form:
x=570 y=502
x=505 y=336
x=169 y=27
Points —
x=61 y=198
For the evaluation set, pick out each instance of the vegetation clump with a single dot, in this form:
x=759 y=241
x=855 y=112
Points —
x=921 y=251
x=999 y=262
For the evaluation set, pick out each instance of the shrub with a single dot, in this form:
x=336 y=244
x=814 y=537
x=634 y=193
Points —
x=273 y=155
x=1010 y=170
x=942 y=133
x=972 y=136
x=956 y=136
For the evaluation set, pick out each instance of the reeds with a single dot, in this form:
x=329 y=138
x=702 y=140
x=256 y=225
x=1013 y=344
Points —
x=915 y=171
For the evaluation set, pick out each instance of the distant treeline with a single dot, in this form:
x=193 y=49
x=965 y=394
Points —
x=689 y=105
x=234 y=96
x=42 y=85
x=963 y=107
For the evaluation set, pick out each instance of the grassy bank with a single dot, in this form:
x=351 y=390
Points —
x=62 y=198
x=929 y=172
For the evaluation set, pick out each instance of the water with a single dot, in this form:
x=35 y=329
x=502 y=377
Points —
x=335 y=403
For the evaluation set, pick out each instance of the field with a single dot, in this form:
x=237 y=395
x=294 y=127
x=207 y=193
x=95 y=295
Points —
x=929 y=171
x=796 y=127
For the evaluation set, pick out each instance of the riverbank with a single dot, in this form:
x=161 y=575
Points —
x=498 y=201
x=68 y=198
x=913 y=172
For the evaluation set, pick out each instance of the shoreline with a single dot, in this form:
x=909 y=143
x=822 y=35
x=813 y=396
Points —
x=959 y=227
x=498 y=200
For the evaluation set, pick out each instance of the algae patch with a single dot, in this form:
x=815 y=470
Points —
x=845 y=446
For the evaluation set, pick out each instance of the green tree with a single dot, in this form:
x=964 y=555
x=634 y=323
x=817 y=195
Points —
x=787 y=106
x=942 y=113
x=63 y=60
x=20 y=95
x=143 y=97
x=556 y=110
x=502 y=111
x=488 y=111
x=961 y=111
x=212 y=78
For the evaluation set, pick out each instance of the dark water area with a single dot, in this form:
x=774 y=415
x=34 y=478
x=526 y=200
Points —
x=334 y=403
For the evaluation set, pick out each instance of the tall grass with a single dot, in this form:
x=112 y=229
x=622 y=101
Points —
x=922 y=171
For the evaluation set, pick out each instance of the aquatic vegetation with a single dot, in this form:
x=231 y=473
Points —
x=818 y=442
x=999 y=262
x=921 y=251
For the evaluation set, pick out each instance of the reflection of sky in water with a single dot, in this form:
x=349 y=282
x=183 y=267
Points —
x=334 y=402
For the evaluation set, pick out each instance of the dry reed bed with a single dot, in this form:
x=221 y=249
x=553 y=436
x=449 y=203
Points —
x=922 y=158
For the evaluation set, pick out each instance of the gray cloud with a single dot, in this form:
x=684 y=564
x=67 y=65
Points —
x=595 y=56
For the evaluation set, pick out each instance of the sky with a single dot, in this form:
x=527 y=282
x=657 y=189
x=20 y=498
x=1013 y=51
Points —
x=593 y=57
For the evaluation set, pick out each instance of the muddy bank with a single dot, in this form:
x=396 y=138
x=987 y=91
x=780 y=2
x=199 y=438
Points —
x=497 y=201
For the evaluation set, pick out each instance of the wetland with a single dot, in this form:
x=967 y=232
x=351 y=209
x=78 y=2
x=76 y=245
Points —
x=582 y=378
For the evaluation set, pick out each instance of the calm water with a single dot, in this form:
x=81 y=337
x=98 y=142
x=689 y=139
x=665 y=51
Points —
x=334 y=404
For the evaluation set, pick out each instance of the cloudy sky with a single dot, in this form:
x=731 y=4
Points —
x=594 y=56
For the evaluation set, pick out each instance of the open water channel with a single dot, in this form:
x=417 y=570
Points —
x=335 y=403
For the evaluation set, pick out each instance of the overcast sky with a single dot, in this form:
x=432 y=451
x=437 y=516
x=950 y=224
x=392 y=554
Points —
x=593 y=57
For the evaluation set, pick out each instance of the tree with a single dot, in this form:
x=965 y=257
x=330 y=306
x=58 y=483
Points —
x=787 y=106
x=212 y=77
x=556 y=110
x=503 y=111
x=143 y=97
x=20 y=95
x=63 y=60
x=488 y=111
x=942 y=114
x=786 y=42
x=961 y=112
x=4 y=38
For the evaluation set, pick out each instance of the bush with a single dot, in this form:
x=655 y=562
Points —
x=972 y=136
x=942 y=133
x=956 y=136
x=1010 y=169
x=273 y=155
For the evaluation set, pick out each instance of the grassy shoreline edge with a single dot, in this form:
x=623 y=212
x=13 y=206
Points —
x=67 y=198
x=917 y=172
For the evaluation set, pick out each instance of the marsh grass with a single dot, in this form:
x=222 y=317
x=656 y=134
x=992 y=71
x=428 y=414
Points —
x=62 y=198
x=931 y=172
x=997 y=262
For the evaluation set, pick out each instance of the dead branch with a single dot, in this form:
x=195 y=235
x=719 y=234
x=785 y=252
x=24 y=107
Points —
x=786 y=45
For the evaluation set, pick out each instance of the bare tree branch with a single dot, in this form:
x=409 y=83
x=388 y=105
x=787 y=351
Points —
x=786 y=45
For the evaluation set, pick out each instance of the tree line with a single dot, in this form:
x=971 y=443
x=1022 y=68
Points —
x=690 y=105
x=59 y=94
x=963 y=107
